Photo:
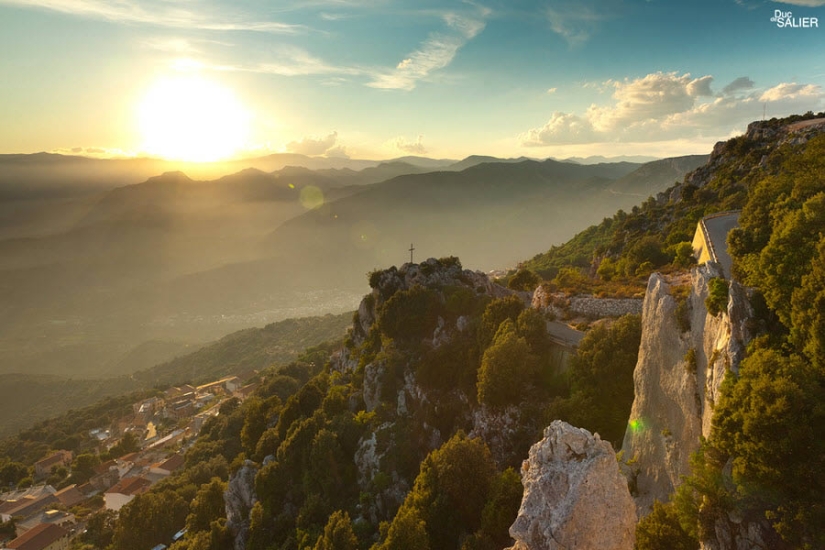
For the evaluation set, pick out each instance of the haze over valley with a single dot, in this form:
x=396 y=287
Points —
x=107 y=281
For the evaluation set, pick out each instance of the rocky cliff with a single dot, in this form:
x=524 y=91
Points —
x=574 y=495
x=684 y=355
x=239 y=498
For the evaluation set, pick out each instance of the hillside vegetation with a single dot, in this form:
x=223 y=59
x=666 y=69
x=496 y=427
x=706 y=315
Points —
x=409 y=435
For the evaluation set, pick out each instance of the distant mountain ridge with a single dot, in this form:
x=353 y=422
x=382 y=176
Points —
x=186 y=259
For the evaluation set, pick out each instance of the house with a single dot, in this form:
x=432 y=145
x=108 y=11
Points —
x=28 y=506
x=168 y=466
x=233 y=383
x=46 y=536
x=55 y=517
x=147 y=407
x=246 y=391
x=43 y=467
x=69 y=496
x=183 y=409
x=33 y=491
x=124 y=491
x=105 y=476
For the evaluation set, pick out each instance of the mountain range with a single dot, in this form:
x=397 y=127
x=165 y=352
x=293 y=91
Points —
x=86 y=280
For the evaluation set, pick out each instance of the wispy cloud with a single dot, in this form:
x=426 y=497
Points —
x=411 y=147
x=809 y=3
x=289 y=61
x=162 y=14
x=752 y=4
x=577 y=20
x=741 y=83
x=313 y=145
x=662 y=106
x=435 y=53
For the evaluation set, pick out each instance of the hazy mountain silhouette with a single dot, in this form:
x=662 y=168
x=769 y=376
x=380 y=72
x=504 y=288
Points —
x=182 y=261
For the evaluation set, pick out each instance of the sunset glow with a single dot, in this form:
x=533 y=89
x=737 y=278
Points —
x=193 y=119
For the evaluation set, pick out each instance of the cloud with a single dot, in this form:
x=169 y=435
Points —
x=338 y=152
x=313 y=146
x=159 y=13
x=170 y=45
x=552 y=90
x=95 y=152
x=662 y=106
x=411 y=147
x=792 y=91
x=436 y=52
x=741 y=83
x=808 y=3
x=576 y=20
x=289 y=61
x=648 y=98
x=751 y=4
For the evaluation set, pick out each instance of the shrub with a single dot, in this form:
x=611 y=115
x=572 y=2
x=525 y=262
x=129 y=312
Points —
x=524 y=279
x=683 y=255
x=661 y=529
x=717 y=300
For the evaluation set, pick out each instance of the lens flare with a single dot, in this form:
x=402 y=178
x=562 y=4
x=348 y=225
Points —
x=311 y=197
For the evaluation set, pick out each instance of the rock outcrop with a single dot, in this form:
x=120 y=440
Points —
x=677 y=380
x=574 y=495
x=239 y=498
x=430 y=273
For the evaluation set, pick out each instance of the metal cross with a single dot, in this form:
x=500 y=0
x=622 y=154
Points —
x=412 y=249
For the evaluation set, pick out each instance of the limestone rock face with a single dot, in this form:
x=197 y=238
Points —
x=574 y=495
x=677 y=380
x=239 y=498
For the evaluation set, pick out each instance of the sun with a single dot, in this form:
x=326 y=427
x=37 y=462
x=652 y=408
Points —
x=192 y=119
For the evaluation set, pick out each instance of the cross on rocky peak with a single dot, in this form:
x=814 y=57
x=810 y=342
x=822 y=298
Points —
x=412 y=249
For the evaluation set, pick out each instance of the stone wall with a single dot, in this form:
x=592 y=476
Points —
x=585 y=305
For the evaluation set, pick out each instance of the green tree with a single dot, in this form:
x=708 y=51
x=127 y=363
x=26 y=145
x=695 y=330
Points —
x=83 y=467
x=207 y=506
x=660 y=530
x=502 y=508
x=507 y=369
x=407 y=531
x=129 y=443
x=449 y=494
x=772 y=422
x=645 y=249
x=601 y=379
x=717 y=300
x=808 y=310
x=683 y=255
x=150 y=519
x=100 y=529
x=496 y=313
x=524 y=279
x=338 y=534
x=409 y=314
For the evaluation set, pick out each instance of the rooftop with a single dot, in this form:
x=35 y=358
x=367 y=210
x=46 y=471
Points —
x=38 y=537
x=130 y=486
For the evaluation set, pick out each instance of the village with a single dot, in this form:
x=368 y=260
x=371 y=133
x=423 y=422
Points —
x=155 y=437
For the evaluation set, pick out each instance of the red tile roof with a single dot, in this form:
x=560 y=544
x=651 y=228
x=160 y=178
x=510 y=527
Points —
x=130 y=486
x=38 y=537
x=172 y=463
x=70 y=496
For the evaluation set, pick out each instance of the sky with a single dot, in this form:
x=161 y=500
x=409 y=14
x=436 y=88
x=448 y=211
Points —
x=378 y=79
